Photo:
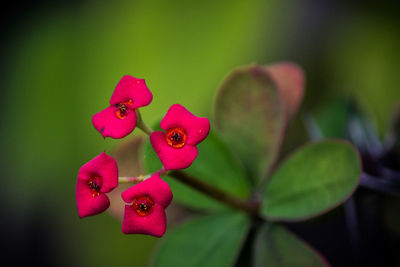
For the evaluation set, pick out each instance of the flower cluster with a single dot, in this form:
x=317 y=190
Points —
x=147 y=200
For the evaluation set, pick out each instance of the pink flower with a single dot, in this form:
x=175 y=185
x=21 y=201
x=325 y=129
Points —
x=145 y=214
x=119 y=119
x=177 y=147
x=95 y=178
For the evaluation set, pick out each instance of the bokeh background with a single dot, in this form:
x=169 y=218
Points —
x=60 y=62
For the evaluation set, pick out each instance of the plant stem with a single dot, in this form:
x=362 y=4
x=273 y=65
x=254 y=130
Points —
x=215 y=193
x=207 y=189
x=141 y=125
x=128 y=180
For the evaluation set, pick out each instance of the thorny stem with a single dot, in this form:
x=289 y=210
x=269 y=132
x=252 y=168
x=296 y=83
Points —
x=215 y=193
x=141 y=125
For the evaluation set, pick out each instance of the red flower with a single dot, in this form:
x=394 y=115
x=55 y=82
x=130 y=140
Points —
x=119 y=119
x=95 y=178
x=145 y=214
x=177 y=147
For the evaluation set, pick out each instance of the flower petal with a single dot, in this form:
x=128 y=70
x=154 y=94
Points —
x=131 y=88
x=153 y=224
x=109 y=125
x=155 y=187
x=88 y=204
x=197 y=128
x=104 y=166
x=172 y=158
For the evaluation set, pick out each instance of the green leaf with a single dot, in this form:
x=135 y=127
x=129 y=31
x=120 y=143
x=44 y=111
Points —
x=333 y=119
x=248 y=115
x=314 y=179
x=275 y=246
x=212 y=241
x=215 y=164
x=290 y=80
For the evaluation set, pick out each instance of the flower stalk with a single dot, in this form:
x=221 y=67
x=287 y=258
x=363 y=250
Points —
x=215 y=193
x=141 y=124
x=199 y=185
x=131 y=180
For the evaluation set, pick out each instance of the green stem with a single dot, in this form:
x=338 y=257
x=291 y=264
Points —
x=131 y=180
x=207 y=189
x=215 y=193
x=141 y=125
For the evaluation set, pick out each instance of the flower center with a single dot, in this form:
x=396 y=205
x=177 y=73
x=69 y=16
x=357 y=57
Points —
x=143 y=205
x=95 y=183
x=123 y=108
x=176 y=137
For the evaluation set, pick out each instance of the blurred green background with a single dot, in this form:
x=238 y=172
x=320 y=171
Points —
x=62 y=60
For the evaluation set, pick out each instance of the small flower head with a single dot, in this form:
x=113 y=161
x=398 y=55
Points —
x=119 y=119
x=145 y=212
x=95 y=178
x=176 y=148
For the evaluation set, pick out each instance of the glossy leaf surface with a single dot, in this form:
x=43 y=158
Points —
x=212 y=241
